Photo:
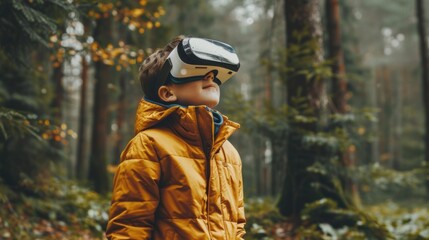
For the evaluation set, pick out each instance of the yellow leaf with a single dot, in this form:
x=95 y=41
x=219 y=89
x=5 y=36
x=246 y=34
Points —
x=123 y=57
x=53 y=38
x=104 y=55
x=108 y=62
x=143 y=2
x=115 y=52
x=161 y=10
x=149 y=25
x=45 y=136
x=137 y=12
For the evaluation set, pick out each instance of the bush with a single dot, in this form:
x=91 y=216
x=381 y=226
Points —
x=262 y=217
x=62 y=211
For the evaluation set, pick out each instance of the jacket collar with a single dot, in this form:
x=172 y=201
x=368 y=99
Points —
x=193 y=123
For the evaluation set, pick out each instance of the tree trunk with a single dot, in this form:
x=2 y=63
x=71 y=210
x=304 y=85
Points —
x=339 y=86
x=397 y=119
x=82 y=148
x=425 y=76
x=98 y=165
x=274 y=167
x=120 y=117
x=373 y=146
x=57 y=77
x=304 y=96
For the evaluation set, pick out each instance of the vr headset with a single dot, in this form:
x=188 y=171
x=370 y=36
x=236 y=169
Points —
x=193 y=58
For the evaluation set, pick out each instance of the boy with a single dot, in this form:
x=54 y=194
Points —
x=179 y=177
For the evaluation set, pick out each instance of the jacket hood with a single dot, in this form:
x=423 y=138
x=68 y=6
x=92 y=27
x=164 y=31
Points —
x=150 y=114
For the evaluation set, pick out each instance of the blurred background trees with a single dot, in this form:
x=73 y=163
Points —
x=329 y=97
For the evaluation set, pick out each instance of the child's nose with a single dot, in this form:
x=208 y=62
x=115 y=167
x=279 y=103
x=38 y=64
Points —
x=209 y=76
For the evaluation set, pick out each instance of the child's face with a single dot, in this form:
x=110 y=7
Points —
x=201 y=92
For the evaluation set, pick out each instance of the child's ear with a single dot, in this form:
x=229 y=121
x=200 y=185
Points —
x=166 y=94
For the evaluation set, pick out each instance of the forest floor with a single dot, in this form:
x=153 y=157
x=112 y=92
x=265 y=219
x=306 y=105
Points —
x=81 y=214
x=397 y=220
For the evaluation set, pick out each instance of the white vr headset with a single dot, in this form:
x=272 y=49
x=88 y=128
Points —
x=193 y=58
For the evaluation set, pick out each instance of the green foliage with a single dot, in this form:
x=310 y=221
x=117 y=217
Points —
x=24 y=90
x=325 y=219
x=298 y=60
x=261 y=217
x=21 y=109
x=378 y=183
x=61 y=210
x=28 y=23
x=409 y=223
x=269 y=122
x=15 y=124
x=382 y=178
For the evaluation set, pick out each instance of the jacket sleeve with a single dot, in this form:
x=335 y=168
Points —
x=135 y=195
x=241 y=221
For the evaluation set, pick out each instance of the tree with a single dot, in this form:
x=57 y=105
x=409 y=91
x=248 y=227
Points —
x=28 y=27
x=304 y=98
x=81 y=162
x=112 y=54
x=339 y=87
x=420 y=12
x=335 y=54
x=103 y=73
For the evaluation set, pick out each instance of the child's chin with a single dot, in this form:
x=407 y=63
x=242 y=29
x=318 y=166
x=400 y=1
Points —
x=212 y=105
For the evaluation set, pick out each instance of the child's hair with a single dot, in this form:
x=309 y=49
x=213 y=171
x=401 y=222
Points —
x=151 y=66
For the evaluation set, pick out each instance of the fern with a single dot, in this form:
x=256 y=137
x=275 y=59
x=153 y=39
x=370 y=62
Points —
x=15 y=124
x=26 y=24
x=29 y=17
x=65 y=5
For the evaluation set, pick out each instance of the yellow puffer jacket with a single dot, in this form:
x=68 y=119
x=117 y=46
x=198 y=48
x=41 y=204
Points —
x=176 y=180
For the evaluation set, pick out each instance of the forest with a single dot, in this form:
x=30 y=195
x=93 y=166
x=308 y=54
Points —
x=332 y=98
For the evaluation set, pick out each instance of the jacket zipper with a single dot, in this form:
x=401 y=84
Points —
x=207 y=152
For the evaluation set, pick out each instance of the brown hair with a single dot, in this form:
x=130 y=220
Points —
x=151 y=66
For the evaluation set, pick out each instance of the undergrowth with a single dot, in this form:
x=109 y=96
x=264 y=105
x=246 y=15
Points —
x=65 y=210
x=324 y=220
